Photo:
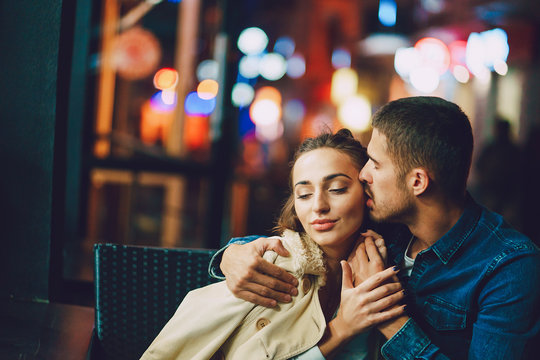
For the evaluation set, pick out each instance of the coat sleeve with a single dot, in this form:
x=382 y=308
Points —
x=202 y=323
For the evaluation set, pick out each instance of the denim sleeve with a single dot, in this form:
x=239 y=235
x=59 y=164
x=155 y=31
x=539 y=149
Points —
x=508 y=317
x=213 y=267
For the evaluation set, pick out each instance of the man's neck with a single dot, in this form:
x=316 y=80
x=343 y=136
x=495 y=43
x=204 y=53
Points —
x=434 y=218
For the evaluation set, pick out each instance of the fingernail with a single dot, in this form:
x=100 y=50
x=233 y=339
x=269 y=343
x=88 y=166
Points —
x=294 y=291
x=396 y=268
x=295 y=282
x=288 y=298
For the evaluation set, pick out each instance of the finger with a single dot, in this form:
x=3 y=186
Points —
x=278 y=278
x=256 y=299
x=372 y=233
x=384 y=316
x=272 y=243
x=361 y=254
x=346 y=278
x=267 y=293
x=386 y=301
x=373 y=253
x=381 y=247
x=378 y=279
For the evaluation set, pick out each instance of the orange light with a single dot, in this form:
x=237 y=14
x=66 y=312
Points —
x=207 y=89
x=196 y=132
x=268 y=93
x=165 y=78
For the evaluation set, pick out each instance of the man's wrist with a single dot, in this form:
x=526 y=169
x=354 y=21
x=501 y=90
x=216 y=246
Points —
x=390 y=328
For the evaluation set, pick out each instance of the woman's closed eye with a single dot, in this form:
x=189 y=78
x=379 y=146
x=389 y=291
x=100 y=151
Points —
x=303 y=196
x=341 y=190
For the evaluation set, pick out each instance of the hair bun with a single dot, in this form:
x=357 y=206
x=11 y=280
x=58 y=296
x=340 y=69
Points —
x=345 y=132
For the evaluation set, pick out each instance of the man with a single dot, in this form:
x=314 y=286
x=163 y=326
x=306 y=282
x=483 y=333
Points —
x=472 y=280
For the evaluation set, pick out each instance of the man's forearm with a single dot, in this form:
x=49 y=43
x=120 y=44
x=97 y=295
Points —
x=390 y=328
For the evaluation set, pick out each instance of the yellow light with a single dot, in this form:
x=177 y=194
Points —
x=207 y=89
x=165 y=78
x=355 y=113
x=344 y=84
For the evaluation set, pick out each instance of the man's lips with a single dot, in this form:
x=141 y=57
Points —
x=323 y=224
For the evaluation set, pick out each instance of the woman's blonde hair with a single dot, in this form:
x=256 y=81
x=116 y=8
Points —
x=342 y=141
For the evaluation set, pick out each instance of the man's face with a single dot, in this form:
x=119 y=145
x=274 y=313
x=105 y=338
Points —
x=389 y=199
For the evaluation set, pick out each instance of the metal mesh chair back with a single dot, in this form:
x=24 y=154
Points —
x=138 y=290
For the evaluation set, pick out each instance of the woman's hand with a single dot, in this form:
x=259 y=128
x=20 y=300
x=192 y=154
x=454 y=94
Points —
x=251 y=278
x=371 y=303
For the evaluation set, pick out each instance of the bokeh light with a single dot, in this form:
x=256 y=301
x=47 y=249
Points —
x=194 y=105
x=269 y=132
x=461 y=74
x=294 y=111
x=207 y=89
x=500 y=67
x=242 y=94
x=425 y=79
x=296 y=66
x=272 y=66
x=341 y=58
x=285 y=46
x=405 y=60
x=433 y=54
x=252 y=41
x=165 y=78
x=387 y=12
x=208 y=69
x=161 y=103
x=269 y=93
x=265 y=112
x=249 y=66
x=355 y=113
x=344 y=84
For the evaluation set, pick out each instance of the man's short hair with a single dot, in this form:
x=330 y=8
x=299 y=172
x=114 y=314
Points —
x=431 y=133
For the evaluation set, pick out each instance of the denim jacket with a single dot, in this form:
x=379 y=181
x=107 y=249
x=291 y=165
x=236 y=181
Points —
x=474 y=294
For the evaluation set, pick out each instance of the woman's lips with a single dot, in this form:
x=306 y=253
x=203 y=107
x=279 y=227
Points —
x=323 y=225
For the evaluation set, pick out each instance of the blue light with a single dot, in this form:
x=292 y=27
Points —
x=387 y=12
x=194 y=105
x=245 y=125
x=157 y=104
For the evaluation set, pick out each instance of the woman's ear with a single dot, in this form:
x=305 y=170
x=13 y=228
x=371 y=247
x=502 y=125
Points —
x=418 y=180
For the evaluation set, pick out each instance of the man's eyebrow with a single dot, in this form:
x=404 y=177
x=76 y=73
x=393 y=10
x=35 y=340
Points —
x=325 y=179
x=371 y=158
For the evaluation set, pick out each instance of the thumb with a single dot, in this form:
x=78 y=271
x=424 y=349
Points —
x=274 y=243
x=346 y=278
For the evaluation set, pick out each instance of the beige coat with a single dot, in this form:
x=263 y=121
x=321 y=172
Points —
x=210 y=321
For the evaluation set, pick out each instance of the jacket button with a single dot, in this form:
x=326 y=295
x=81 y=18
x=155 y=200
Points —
x=262 y=322
x=306 y=284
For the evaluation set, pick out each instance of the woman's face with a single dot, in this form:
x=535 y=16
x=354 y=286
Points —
x=329 y=199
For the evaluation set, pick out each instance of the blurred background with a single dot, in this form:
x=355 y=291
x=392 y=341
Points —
x=172 y=123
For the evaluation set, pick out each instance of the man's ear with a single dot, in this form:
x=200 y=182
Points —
x=418 y=180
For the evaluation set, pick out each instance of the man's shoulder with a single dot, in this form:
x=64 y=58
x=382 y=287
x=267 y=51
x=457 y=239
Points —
x=497 y=238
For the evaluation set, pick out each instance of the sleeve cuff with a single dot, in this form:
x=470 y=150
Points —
x=407 y=343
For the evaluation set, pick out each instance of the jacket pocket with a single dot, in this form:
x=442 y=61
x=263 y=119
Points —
x=443 y=315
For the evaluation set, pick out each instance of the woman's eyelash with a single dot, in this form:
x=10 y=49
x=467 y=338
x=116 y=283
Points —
x=339 y=190
x=303 y=196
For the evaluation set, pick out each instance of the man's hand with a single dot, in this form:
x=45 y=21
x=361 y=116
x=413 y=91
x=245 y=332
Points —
x=251 y=278
x=368 y=257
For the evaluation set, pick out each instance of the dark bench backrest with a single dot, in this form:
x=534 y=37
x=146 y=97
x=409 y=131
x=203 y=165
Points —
x=138 y=290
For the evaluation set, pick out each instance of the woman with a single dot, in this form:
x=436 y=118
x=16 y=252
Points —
x=320 y=223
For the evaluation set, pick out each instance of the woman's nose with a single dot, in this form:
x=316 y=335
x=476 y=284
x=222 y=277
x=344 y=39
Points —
x=321 y=203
